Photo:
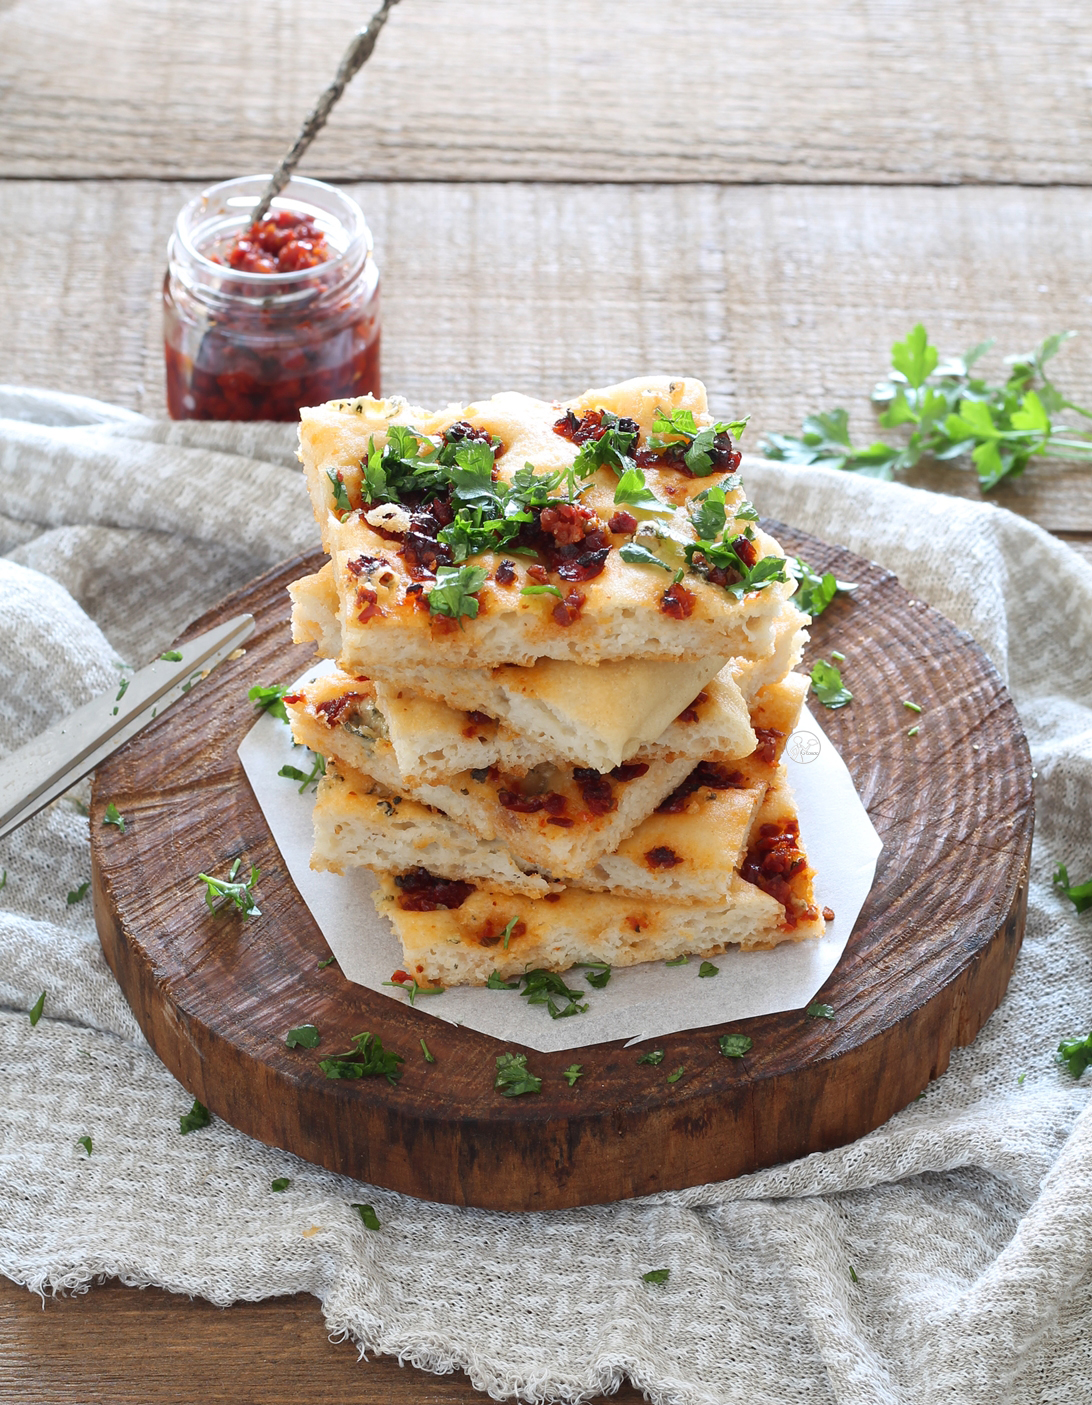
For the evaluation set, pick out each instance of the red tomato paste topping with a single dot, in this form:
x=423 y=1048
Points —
x=283 y=242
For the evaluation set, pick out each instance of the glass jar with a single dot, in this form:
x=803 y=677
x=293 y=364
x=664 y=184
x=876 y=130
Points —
x=257 y=346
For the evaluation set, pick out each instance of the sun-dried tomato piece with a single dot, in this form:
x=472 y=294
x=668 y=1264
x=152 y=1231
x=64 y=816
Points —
x=766 y=750
x=746 y=550
x=505 y=573
x=296 y=697
x=567 y=610
x=364 y=565
x=623 y=522
x=585 y=567
x=334 y=709
x=567 y=522
x=462 y=432
x=562 y=821
x=772 y=861
x=591 y=426
x=630 y=770
x=662 y=857
x=521 y=804
x=427 y=892
x=596 y=790
x=690 y=714
x=479 y=719
x=538 y=574
x=367 y=597
x=706 y=775
x=678 y=602
x=555 y=803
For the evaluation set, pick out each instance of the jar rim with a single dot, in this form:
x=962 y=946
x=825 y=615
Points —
x=240 y=190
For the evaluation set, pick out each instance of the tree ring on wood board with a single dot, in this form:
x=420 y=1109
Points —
x=927 y=963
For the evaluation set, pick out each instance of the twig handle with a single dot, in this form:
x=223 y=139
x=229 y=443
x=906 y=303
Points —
x=355 y=56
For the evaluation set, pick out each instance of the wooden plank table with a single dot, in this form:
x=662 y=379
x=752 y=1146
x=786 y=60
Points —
x=765 y=195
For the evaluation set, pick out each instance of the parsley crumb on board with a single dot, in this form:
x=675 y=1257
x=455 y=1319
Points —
x=513 y=1076
x=111 y=816
x=36 y=1009
x=306 y=1036
x=172 y=656
x=814 y=592
x=367 y=1058
x=826 y=681
x=429 y=1058
x=330 y=961
x=572 y=1073
x=817 y=1011
x=734 y=1046
x=913 y=731
x=656 y=1275
x=911 y=706
x=674 y=1077
x=221 y=894
x=653 y=1056
x=197 y=1117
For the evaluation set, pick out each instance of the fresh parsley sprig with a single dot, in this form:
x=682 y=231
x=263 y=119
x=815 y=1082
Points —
x=765 y=571
x=951 y=414
x=1079 y=894
x=223 y=893
x=114 y=817
x=513 y=1076
x=413 y=990
x=826 y=680
x=306 y=778
x=367 y=1058
x=540 y=987
x=270 y=699
x=1075 y=1054
x=679 y=426
x=815 y=592
x=455 y=591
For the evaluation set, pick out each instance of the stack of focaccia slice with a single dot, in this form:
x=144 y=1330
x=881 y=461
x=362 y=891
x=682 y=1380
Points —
x=563 y=681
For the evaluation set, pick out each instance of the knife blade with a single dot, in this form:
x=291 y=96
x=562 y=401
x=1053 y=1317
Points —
x=61 y=755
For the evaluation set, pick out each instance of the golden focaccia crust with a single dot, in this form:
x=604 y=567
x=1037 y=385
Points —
x=626 y=610
x=464 y=945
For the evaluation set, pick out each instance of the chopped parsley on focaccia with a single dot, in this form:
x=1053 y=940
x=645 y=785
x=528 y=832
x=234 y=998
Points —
x=615 y=527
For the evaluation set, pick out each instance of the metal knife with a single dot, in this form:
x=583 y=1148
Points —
x=45 y=768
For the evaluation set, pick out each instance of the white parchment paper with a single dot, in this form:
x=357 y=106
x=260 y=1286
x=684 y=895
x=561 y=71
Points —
x=640 y=1002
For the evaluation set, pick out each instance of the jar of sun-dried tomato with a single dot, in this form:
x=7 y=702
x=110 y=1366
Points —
x=259 y=320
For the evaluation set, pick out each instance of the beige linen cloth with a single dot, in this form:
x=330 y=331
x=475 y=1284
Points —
x=967 y=1219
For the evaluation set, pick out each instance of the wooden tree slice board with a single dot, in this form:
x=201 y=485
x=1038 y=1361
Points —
x=929 y=960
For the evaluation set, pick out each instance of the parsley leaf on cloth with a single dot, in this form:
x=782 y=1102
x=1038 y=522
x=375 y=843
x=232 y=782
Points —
x=78 y=894
x=36 y=1009
x=454 y=593
x=85 y=1142
x=368 y=1216
x=270 y=699
x=221 y=894
x=281 y=1183
x=513 y=1077
x=367 y=1058
x=1079 y=894
x=827 y=683
x=656 y=1275
x=1076 y=1054
x=197 y=1117
x=951 y=413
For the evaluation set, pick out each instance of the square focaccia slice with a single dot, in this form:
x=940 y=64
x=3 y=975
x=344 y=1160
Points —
x=459 y=935
x=434 y=575
x=360 y=823
x=354 y=720
x=690 y=847
x=595 y=715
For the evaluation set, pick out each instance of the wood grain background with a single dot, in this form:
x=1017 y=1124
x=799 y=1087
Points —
x=561 y=193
